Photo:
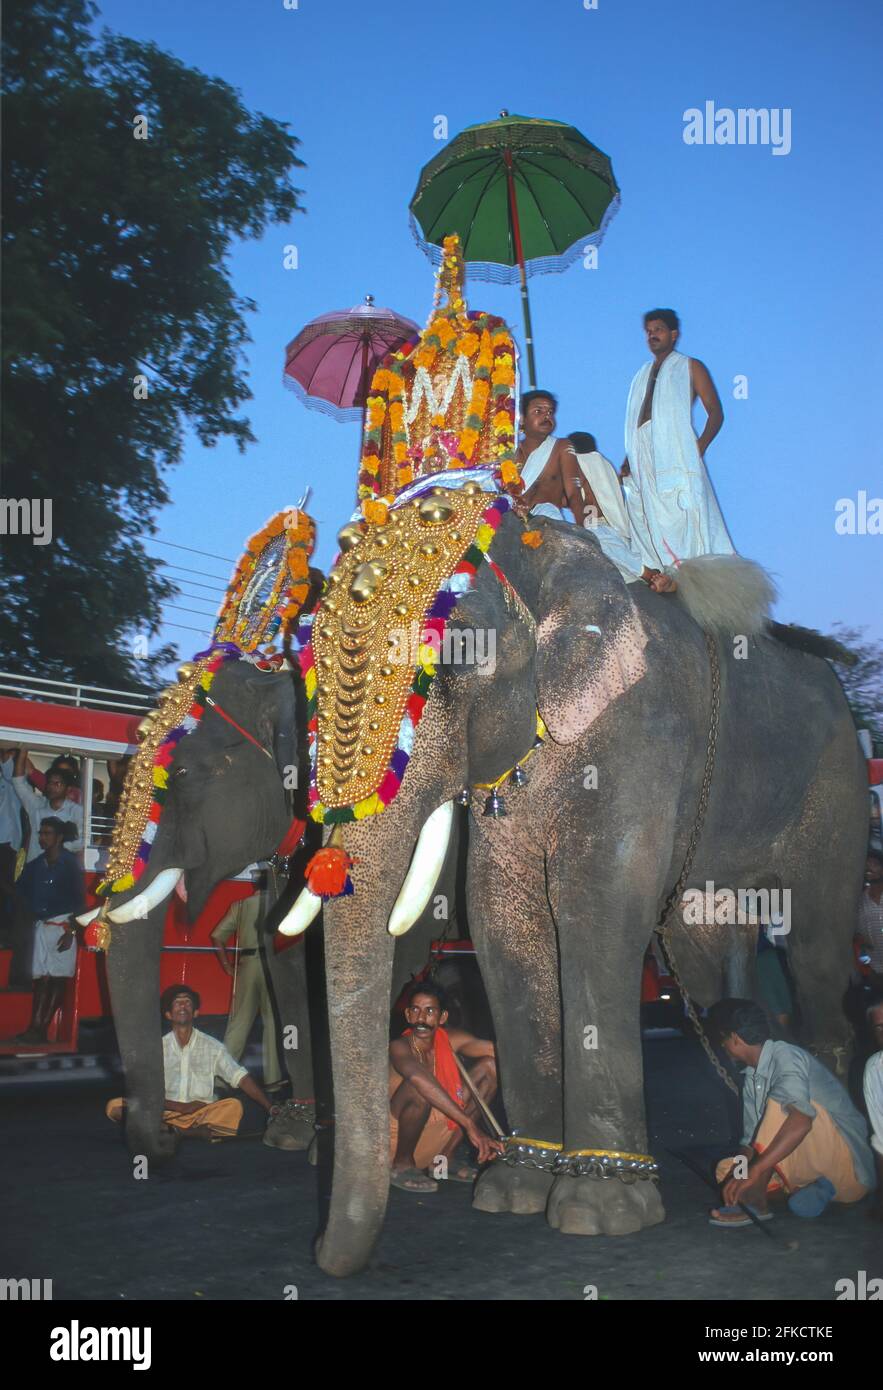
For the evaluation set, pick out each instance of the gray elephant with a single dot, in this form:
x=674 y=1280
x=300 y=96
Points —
x=226 y=807
x=564 y=891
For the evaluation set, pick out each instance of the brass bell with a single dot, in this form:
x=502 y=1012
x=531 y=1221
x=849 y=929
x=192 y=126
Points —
x=433 y=510
x=494 y=807
x=518 y=776
x=350 y=535
x=462 y=797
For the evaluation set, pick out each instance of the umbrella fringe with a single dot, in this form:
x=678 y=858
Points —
x=345 y=415
x=494 y=272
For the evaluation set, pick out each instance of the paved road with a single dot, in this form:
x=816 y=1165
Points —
x=237 y=1220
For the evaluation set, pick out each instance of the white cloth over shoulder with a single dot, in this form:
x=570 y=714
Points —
x=611 y=529
x=536 y=462
x=672 y=508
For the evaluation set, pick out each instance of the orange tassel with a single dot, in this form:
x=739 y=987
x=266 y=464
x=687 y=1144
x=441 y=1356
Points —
x=532 y=538
x=328 y=872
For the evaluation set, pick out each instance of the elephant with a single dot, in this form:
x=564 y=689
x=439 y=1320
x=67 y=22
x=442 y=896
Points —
x=564 y=889
x=227 y=807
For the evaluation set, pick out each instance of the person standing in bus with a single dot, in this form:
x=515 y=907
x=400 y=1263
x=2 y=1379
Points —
x=52 y=888
x=55 y=802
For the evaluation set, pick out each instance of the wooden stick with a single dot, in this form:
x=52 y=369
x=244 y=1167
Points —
x=488 y=1114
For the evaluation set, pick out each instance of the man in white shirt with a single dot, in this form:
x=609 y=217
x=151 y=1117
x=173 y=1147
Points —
x=55 y=802
x=873 y=1088
x=192 y=1060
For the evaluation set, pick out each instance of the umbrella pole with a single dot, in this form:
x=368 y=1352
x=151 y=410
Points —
x=519 y=254
x=364 y=394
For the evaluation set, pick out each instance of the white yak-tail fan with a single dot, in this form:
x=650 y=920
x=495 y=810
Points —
x=725 y=593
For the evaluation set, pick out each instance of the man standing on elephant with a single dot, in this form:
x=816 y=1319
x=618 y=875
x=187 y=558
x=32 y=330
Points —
x=801 y=1133
x=191 y=1061
x=673 y=511
x=428 y=1108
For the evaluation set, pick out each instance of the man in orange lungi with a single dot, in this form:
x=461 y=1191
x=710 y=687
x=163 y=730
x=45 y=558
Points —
x=192 y=1060
x=428 y=1107
x=802 y=1135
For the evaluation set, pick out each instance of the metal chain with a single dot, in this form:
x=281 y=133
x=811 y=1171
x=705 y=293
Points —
x=677 y=892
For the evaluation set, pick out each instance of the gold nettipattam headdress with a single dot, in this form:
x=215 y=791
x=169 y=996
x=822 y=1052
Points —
x=444 y=401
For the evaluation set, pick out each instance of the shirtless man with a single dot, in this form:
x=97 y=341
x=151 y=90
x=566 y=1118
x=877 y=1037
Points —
x=430 y=1103
x=547 y=465
x=673 y=511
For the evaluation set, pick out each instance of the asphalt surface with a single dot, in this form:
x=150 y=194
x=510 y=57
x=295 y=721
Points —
x=237 y=1220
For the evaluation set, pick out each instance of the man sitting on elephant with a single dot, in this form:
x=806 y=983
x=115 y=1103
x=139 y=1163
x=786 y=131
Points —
x=427 y=1105
x=191 y=1061
x=801 y=1132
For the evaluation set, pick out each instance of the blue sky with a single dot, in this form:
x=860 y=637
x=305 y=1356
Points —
x=772 y=261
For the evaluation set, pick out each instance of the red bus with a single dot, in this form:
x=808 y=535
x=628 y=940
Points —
x=98 y=727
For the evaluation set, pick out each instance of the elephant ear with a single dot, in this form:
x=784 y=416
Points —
x=590 y=638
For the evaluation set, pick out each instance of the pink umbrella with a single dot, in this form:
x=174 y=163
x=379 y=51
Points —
x=330 y=363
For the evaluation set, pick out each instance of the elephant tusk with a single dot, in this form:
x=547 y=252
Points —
x=85 y=918
x=422 y=876
x=138 y=907
x=304 y=911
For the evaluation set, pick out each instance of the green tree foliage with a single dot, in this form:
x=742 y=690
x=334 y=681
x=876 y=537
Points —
x=863 y=681
x=114 y=269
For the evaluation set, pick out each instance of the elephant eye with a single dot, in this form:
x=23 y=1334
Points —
x=180 y=771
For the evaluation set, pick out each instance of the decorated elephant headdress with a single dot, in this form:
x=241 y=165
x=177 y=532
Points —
x=264 y=599
x=438 y=473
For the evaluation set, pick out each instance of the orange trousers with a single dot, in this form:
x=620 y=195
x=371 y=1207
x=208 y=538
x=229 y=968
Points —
x=824 y=1153
x=220 y=1117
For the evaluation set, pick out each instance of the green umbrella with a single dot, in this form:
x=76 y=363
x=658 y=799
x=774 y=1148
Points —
x=525 y=196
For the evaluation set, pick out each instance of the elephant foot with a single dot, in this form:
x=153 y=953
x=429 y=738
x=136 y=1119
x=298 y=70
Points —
x=289 y=1131
x=603 y=1207
x=512 y=1187
x=159 y=1147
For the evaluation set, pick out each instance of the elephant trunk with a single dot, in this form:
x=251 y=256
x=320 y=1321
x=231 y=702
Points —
x=132 y=966
x=358 y=969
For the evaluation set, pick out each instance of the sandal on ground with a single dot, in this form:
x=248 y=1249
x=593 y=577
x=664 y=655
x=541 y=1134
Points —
x=735 y=1216
x=463 y=1172
x=412 y=1180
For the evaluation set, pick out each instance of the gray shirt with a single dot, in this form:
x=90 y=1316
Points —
x=793 y=1077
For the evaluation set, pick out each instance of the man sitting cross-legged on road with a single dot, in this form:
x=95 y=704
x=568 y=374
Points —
x=801 y=1133
x=428 y=1107
x=192 y=1060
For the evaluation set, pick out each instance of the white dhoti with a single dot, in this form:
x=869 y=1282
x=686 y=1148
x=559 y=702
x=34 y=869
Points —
x=609 y=522
x=673 y=512
x=47 y=959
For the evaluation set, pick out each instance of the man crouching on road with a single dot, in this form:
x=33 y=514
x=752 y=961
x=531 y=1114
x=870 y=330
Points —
x=428 y=1108
x=802 y=1135
x=192 y=1060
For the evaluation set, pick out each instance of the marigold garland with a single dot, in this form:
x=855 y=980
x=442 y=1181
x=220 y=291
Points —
x=484 y=340
x=289 y=591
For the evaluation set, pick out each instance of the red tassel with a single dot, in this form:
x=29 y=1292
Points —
x=328 y=872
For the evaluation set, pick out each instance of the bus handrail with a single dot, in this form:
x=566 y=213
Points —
x=76 y=693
